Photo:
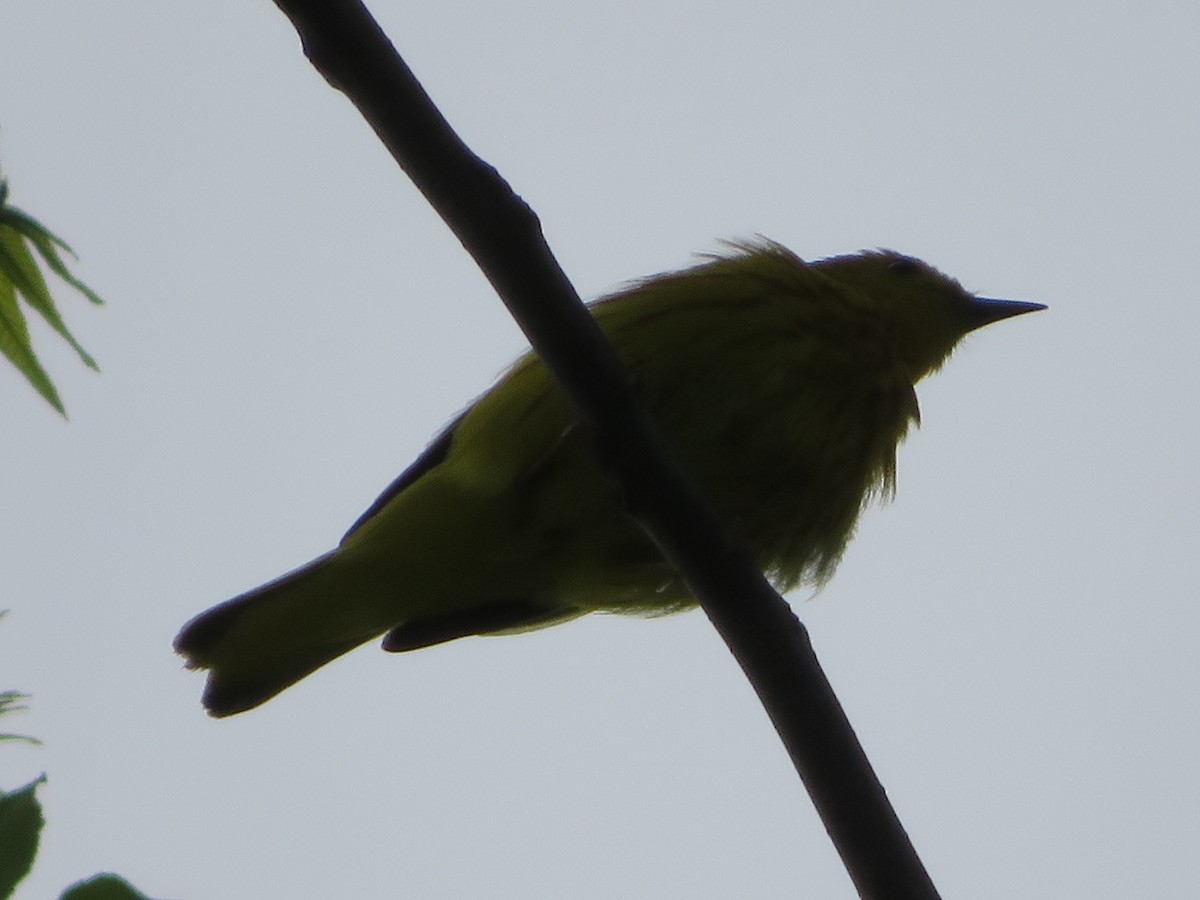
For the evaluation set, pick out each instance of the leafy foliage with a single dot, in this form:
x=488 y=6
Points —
x=20 y=828
x=10 y=701
x=105 y=886
x=21 y=824
x=21 y=279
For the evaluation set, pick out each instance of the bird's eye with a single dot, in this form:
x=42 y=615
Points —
x=904 y=266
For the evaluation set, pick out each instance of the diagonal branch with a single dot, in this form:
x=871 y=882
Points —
x=502 y=233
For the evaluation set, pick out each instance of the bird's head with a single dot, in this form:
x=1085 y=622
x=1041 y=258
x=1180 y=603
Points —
x=922 y=312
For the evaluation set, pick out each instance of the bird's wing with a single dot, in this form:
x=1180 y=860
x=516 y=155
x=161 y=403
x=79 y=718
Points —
x=434 y=454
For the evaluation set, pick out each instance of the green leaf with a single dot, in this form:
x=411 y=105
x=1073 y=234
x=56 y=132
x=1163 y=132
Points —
x=10 y=701
x=47 y=245
x=15 y=344
x=8 y=736
x=105 y=886
x=21 y=279
x=20 y=826
x=18 y=264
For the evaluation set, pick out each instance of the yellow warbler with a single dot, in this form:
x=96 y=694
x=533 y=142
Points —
x=782 y=388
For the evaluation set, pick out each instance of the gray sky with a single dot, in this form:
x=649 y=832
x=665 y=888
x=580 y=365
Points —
x=1014 y=638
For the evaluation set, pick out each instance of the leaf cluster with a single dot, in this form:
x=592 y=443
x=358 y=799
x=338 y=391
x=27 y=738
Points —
x=21 y=822
x=21 y=279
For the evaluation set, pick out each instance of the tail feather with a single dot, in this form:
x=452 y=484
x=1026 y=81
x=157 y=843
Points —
x=266 y=640
x=256 y=645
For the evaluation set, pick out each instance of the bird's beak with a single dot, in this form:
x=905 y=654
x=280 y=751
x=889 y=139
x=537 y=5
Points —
x=985 y=310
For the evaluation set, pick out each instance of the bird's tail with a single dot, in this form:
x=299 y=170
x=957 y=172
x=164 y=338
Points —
x=266 y=640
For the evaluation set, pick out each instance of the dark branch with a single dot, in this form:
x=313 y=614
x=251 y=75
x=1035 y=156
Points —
x=504 y=236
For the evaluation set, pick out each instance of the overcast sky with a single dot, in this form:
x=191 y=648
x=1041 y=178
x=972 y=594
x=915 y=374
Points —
x=288 y=324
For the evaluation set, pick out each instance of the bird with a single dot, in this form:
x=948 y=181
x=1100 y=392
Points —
x=782 y=388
